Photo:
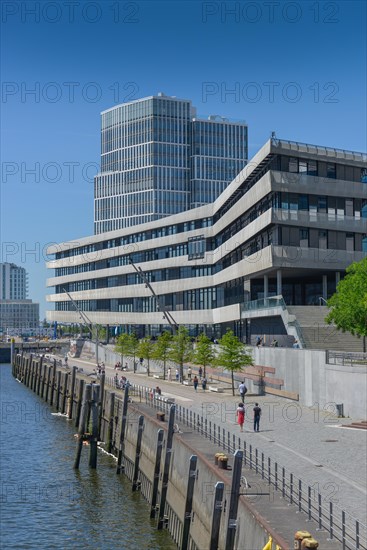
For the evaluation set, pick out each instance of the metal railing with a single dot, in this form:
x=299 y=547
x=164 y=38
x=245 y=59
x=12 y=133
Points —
x=339 y=524
x=264 y=303
x=343 y=358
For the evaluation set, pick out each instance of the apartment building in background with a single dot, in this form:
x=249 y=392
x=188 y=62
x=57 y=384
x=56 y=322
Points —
x=16 y=311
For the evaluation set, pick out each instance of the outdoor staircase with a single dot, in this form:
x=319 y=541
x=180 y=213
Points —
x=319 y=335
x=359 y=425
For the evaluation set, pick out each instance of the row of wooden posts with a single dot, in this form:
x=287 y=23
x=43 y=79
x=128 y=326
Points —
x=84 y=402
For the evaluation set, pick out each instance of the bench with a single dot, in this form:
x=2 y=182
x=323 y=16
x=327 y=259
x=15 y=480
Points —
x=218 y=389
x=188 y=383
x=158 y=376
x=161 y=416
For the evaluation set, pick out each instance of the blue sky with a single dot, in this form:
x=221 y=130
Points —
x=296 y=68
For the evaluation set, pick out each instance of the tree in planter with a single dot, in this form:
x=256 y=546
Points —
x=123 y=346
x=181 y=349
x=162 y=349
x=203 y=354
x=145 y=350
x=348 y=306
x=232 y=355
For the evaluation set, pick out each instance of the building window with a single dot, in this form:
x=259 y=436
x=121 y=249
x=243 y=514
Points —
x=331 y=170
x=293 y=165
x=196 y=247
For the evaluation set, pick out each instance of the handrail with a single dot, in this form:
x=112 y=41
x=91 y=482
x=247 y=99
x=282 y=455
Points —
x=340 y=525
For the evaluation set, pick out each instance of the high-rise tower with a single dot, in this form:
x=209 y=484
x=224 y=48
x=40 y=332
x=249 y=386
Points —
x=159 y=159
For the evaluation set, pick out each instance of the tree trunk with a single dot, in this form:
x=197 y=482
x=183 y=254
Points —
x=232 y=383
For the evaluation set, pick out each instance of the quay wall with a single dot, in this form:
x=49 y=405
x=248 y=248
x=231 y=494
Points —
x=61 y=389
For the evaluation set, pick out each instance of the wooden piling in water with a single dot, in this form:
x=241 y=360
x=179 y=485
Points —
x=48 y=381
x=58 y=389
x=101 y=405
x=64 y=392
x=39 y=376
x=53 y=383
x=79 y=403
x=34 y=375
x=44 y=368
x=137 y=453
x=157 y=468
x=93 y=442
x=167 y=462
x=217 y=512
x=111 y=419
x=120 y=468
x=82 y=423
x=72 y=391
x=188 y=504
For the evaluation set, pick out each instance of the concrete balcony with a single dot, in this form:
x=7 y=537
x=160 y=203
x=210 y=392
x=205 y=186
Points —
x=329 y=221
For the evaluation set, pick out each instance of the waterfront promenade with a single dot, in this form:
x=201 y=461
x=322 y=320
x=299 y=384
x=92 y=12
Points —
x=309 y=442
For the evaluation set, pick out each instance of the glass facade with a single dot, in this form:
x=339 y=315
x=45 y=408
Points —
x=158 y=160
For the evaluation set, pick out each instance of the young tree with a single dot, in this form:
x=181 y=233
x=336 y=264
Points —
x=133 y=348
x=123 y=346
x=348 y=306
x=181 y=348
x=162 y=348
x=145 y=350
x=233 y=355
x=203 y=354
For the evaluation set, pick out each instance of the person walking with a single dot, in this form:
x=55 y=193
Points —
x=257 y=414
x=177 y=375
x=243 y=390
x=169 y=374
x=196 y=382
x=240 y=413
x=203 y=383
x=200 y=372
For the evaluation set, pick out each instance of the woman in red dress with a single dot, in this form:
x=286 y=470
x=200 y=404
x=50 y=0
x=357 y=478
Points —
x=240 y=415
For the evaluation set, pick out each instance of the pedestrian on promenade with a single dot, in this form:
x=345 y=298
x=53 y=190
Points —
x=169 y=374
x=240 y=413
x=200 y=372
x=189 y=373
x=243 y=390
x=257 y=414
x=196 y=382
x=203 y=383
x=177 y=375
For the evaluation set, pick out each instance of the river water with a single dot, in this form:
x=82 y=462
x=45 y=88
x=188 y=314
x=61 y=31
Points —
x=45 y=503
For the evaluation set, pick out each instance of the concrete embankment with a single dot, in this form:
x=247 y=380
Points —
x=255 y=504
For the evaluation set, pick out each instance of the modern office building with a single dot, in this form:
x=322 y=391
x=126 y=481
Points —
x=159 y=159
x=279 y=236
x=13 y=282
